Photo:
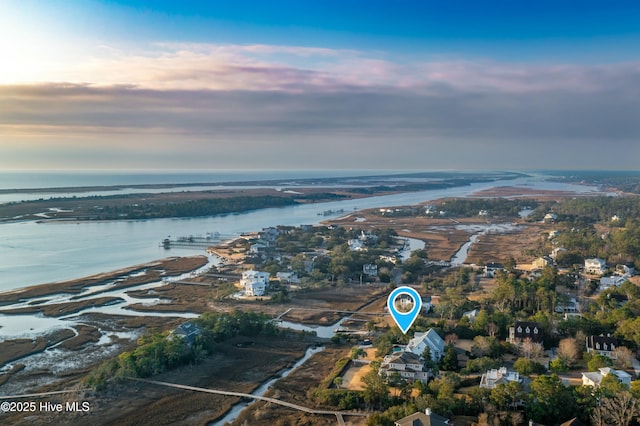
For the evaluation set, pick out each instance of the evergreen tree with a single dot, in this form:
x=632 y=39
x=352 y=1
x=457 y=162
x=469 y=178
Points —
x=450 y=360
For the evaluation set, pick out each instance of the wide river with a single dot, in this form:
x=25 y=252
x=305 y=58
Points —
x=36 y=253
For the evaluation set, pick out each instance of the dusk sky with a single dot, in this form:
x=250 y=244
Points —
x=319 y=85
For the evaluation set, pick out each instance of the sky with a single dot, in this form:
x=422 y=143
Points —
x=319 y=85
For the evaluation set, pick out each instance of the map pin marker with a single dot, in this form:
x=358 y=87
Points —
x=403 y=311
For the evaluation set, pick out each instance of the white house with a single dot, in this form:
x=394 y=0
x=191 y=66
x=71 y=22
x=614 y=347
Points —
x=407 y=364
x=550 y=217
x=430 y=339
x=595 y=378
x=595 y=266
x=254 y=282
x=493 y=377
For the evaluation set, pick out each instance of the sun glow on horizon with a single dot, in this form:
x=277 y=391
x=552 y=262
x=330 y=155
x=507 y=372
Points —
x=30 y=50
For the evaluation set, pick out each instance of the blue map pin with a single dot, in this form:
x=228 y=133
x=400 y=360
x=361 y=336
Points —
x=404 y=319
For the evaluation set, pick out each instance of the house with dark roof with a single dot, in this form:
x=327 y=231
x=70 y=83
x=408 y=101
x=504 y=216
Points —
x=603 y=345
x=523 y=330
x=188 y=331
x=427 y=418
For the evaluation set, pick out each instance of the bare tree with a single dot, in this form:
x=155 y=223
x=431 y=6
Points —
x=623 y=357
x=531 y=349
x=568 y=350
x=516 y=418
x=451 y=339
x=618 y=410
x=492 y=329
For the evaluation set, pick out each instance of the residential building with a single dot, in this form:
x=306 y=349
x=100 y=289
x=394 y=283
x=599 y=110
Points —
x=428 y=418
x=570 y=306
x=254 y=282
x=370 y=269
x=471 y=315
x=550 y=217
x=491 y=268
x=430 y=339
x=409 y=365
x=627 y=270
x=556 y=251
x=595 y=266
x=288 y=277
x=525 y=330
x=257 y=247
x=356 y=245
x=188 y=331
x=542 y=262
x=612 y=281
x=603 y=345
x=493 y=377
x=595 y=378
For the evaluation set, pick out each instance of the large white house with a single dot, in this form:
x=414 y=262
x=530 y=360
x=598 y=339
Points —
x=407 y=364
x=254 y=282
x=430 y=339
x=595 y=266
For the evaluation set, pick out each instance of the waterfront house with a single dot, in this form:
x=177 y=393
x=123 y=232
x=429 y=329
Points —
x=254 y=282
x=188 y=331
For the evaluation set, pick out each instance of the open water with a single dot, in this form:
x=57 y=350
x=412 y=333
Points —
x=36 y=253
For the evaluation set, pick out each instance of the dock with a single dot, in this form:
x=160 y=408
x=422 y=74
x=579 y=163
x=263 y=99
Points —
x=192 y=241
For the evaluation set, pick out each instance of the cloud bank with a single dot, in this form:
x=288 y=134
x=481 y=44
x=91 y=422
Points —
x=282 y=106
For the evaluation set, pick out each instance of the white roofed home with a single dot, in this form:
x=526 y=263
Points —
x=595 y=378
x=430 y=339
